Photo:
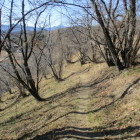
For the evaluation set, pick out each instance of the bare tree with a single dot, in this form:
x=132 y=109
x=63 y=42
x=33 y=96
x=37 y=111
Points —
x=119 y=31
x=1 y=6
x=117 y=19
x=87 y=38
x=54 y=56
x=22 y=71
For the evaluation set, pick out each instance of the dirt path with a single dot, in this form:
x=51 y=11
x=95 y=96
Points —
x=83 y=104
x=79 y=122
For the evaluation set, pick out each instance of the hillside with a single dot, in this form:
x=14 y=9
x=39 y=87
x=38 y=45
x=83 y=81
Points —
x=17 y=29
x=93 y=102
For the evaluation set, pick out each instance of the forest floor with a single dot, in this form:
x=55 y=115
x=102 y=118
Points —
x=94 y=102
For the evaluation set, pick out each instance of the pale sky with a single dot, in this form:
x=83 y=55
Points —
x=57 y=14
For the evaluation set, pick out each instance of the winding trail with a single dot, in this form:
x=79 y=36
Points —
x=79 y=123
x=83 y=104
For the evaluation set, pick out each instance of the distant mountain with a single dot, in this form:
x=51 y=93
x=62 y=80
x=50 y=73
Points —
x=57 y=27
x=17 y=28
x=29 y=28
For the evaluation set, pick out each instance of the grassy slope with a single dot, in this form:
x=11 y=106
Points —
x=93 y=102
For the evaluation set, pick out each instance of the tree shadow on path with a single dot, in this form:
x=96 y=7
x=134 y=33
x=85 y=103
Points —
x=97 y=133
x=101 y=134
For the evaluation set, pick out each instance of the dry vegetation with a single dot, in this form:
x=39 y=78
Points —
x=93 y=102
x=79 y=83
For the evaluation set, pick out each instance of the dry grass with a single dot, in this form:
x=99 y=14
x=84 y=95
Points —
x=105 y=107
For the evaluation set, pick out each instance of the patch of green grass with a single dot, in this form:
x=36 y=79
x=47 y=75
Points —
x=90 y=117
x=131 y=71
x=98 y=118
x=77 y=101
x=95 y=118
x=126 y=73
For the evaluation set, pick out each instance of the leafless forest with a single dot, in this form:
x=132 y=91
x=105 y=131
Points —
x=96 y=32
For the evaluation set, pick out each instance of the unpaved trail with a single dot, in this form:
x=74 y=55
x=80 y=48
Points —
x=91 y=111
x=83 y=104
x=79 y=123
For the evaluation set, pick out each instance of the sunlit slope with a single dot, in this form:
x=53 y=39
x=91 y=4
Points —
x=107 y=101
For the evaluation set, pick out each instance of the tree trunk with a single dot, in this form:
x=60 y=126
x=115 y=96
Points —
x=130 y=25
x=114 y=59
x=36 y=95
x=109 y=59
